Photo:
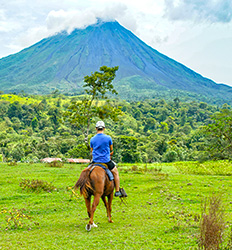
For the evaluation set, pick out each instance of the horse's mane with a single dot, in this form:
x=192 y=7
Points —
x=84 y=183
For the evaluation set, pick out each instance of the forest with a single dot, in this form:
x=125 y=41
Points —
x=33 y=127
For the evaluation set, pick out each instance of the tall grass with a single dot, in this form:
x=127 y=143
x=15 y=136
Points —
x=212 y=223
x=205 y=168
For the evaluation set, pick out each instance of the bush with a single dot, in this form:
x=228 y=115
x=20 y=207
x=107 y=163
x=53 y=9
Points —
x=16 y=218
x=36 y=185
x=211 y=224
x=12 y=163
x=170 y=156
x=17 y=153
x=205 y=168
x=55 y=164
x=30 y=159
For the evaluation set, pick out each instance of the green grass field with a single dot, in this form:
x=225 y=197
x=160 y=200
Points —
x=162 y=212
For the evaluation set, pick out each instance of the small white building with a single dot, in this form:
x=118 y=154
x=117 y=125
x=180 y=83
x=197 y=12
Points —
x=49 y=160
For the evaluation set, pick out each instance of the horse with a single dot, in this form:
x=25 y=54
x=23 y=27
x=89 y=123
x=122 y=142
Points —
x=94 y=181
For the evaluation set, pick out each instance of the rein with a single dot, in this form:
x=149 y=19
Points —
x=123 y=201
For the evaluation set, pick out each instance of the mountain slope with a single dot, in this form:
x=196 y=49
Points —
x=61 y=62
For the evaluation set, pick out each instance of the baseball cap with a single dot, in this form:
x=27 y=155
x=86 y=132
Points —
x=100 y=124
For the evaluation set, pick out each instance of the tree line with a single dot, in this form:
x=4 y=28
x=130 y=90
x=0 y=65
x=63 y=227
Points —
x=33 y=127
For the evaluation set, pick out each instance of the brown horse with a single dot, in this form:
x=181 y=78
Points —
x=95 y=182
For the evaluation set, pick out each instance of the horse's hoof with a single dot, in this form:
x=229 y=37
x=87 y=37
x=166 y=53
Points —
x=93 y=225
x=110 y=221
x=88 y=227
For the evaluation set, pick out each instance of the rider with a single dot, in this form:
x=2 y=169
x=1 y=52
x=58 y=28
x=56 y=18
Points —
x=102 y=150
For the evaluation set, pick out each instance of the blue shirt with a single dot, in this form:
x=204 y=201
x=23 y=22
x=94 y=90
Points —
x=100 y=144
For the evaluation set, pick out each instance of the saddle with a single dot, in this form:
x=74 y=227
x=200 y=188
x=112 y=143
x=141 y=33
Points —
x=109 y=174
x=104 y=166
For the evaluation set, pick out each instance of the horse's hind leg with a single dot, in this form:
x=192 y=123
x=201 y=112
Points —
x=94 y=206
x=110 y=198
x=105 y=202
x=107 y=208
x=88 y=205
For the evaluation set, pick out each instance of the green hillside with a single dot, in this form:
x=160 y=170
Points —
x=61 y=61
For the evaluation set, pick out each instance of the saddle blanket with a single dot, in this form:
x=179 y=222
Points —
x=108 y=172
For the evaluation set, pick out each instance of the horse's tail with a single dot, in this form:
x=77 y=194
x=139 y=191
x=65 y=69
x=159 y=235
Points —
x=84 y=183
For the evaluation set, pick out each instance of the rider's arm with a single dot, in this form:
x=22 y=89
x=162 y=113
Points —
x=111 y=150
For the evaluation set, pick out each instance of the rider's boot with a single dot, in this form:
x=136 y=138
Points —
x=118 y=194
x=116 y=182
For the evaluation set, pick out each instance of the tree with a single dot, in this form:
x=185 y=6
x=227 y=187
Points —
x=3 y=108
x=97 y=86
x=170 y=156
x=34 y=123
x=80 y=151
x=161 y=146
x=54 y=114
x=219 y=135
x=128 y=145
x=17 y=152
x=177 y=102
x=15 y=110
x=164 y=127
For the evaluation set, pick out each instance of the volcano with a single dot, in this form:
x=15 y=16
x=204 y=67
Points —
x=61 y=62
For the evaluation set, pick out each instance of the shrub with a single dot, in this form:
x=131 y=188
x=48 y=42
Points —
x=36 y=185
x=55 y=164
x=211 y=224
x=16 y=218
x=205 y=168
x=30 y=159
x=17 y=153
x=170 y=156
x=12 y=163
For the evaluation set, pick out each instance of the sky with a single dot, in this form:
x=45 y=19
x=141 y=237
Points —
x=196 y=33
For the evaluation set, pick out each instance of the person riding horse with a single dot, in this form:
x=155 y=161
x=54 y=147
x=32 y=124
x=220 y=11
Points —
x=102 y=149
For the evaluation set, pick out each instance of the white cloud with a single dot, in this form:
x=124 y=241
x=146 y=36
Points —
x=176 y=28
x=60 y=20
x=111 y=11
x=6 y=24
x=212 y=11
x=2 y=14
x=68 y=20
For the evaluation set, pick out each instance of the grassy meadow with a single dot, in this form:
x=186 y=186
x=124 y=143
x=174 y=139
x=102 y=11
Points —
x=162 y=211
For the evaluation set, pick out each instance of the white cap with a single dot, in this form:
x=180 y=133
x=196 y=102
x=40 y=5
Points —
x=100 y=124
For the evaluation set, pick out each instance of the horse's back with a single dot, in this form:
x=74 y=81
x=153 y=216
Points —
x=101 y=182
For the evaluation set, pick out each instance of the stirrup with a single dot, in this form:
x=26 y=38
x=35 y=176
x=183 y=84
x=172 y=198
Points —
x=123 y=192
